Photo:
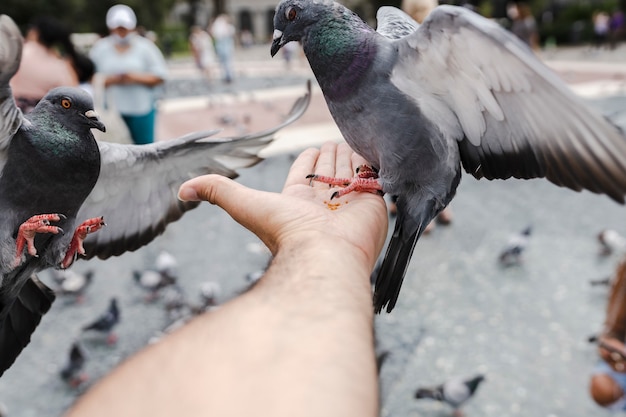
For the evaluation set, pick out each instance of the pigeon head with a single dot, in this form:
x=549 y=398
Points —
x=72 y=105
x=294 y=18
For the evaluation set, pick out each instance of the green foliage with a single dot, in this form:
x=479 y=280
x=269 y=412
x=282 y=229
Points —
x=85 y=15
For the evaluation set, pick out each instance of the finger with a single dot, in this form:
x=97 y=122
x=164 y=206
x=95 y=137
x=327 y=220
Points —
x=358 y=160
x=301 y=167
x=215 y=189
x=248 y=207
x=326 y=161
x=344 y=168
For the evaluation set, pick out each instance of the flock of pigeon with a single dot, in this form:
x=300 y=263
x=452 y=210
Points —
x=159 y=285
x=418 y=102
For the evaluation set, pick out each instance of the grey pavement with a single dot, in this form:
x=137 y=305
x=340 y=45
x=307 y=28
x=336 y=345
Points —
x=459 y=313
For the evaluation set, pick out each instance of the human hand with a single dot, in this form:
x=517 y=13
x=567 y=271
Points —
x=613 y=351
x=303 y=214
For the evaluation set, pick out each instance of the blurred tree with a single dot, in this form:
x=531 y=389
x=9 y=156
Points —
x=86 y=15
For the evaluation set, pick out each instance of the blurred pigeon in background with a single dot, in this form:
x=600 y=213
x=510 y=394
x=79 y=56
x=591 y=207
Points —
x=513 y=251
x=71 y=283
x=106 y=322
x=55 y=175
x=72 y=373
x=610 y=242
x=421 y=102
x=454 y=392
x=163 y=274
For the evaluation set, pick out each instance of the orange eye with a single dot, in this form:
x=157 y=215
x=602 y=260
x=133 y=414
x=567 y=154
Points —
x=66 y=103
x=291 y=13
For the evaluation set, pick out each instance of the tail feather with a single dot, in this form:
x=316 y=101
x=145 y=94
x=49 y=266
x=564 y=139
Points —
x=23 y=317
x=430 y=393
x=390 y=275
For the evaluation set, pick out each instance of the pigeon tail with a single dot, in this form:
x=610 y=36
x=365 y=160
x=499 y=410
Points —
x=23 y=317
x=406 y=233
x=430 y=393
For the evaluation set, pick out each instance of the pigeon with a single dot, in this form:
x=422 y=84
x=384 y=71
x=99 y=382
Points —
x=161 y=276
x=610 y=242
x=72 y=283
x=209 y=294
x=58 y=184
x=421 y=102
x=512 y=253
x=106 y=322
x=454 y=392
x=72 y=373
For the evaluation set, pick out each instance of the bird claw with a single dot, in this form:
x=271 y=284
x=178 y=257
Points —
x=80 y=234
x=27 y=231
x=366 y=180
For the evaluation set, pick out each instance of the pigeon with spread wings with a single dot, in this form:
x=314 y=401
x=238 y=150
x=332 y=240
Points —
x=57 y=184
x=419 y=102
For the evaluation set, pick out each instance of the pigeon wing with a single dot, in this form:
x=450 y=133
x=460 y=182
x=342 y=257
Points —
x=10 y=56
x=138 y=185
x=22 y=318
x=512 y=116
x=393 y=23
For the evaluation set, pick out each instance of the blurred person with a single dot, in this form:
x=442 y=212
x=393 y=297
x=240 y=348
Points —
x=47 y=62
x=523 y=24
x=616 y=28
x=608 y=381
x=223 y=33
x=295 y=343
x=134 y=68
x=418 y=9
x=85 y=69
x=600 y=20
x=202 y=49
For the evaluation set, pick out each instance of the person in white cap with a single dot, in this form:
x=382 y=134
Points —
x=133 y=68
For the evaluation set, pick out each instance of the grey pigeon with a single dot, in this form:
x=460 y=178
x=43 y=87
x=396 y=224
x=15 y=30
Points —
x=419 y=102
x=454 y=392
x=71 y=283
x=51 y=166
x=611 y=242
x=106 y=322
x=72 y=373
x=513 y=252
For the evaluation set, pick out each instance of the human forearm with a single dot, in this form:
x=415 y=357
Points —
x=310 y=353
x=147 y=79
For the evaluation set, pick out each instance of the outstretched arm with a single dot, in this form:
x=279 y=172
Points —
x=300 y=343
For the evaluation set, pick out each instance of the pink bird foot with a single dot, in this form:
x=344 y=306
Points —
x=111 y=339
x=78 y=380
x=29 y=229
x=80 y=234
x=365 y=181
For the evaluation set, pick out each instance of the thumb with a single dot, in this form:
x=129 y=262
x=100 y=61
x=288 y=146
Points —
x=216 y=189
x=246 y=206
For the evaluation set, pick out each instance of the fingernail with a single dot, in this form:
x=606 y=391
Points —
x=188 y=194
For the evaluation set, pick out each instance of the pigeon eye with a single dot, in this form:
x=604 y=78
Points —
x=291 y=13
x=66 y=103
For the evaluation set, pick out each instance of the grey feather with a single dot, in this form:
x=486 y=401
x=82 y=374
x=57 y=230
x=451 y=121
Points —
x=457 y=91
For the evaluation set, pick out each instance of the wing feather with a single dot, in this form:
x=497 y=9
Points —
x=514 y=116
x=393 y=23
x=138 y=185
x=10 y=56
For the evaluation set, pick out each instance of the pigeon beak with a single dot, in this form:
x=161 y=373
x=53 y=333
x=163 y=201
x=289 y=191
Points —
x=277 y=41
x=94 y=120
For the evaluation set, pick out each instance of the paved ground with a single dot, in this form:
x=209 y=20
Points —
x=458 y=314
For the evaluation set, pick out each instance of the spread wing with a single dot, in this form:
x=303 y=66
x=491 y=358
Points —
x=138 y=185
x=510 y=113
x=10 y=56
x=393 y=23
